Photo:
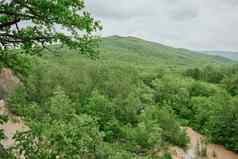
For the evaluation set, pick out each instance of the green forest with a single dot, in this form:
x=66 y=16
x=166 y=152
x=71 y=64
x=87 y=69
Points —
x=119 y=108
x=114 y=97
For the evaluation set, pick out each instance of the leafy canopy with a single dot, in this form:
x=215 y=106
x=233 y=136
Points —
x=34 y=24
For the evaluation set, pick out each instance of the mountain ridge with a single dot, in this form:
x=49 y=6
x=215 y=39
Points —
x=233 y=55
x=137 y=50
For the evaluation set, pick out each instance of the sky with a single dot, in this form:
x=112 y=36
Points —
x=191 y=24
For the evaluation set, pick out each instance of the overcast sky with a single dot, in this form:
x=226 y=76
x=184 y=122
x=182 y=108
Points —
x=193 y=24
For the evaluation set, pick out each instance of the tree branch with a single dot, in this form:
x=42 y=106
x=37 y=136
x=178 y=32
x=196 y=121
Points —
x=8 y=24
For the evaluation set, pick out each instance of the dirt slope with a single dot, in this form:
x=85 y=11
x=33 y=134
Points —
x=199 y=150
x=11 y=127
x=8 y=82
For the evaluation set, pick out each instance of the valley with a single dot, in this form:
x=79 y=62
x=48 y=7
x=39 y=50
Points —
x=86 y=79
x=134 y=98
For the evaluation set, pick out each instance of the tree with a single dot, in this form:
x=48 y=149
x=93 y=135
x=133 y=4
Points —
x=230 y=84
x=224 y=124
x=75 y=139
x=35 y=24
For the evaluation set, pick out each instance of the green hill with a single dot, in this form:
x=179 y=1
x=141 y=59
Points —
x=144 y=55
x=137 y=51
x=227 y=54
x=133 y=101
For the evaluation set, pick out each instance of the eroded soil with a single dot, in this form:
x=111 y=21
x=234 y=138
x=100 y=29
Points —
x=198 y=149
x=10 y=128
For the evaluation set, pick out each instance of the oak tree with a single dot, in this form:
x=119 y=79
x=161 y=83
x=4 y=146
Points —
x=33 y=25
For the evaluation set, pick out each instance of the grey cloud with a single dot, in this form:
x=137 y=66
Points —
x=122 y=9
x=229 y=2
x=184 y=14
x=194 y=24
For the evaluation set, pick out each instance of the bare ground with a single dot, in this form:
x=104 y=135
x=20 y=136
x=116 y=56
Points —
x=10 y=128
x=198 y=149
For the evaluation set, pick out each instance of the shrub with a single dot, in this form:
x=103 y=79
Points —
x=171 y=131
x=224 y=125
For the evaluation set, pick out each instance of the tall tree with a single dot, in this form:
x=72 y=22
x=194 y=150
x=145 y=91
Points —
x=35 y=24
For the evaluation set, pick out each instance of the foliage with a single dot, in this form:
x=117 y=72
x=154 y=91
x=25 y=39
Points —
x=69 y=136
x=208 y=74
x=167 y=156
x=115 y=101
x=230 y=84
x=19 y=63
x=171 y=131
x=224 y=125
x=32 y=26
x=174 y=93
x=77 y=139
x=153 y=57
x=42 y=18
x=120 y=108
x=3 y=119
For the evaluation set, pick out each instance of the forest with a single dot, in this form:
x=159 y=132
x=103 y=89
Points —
x=129 y=99
x=79 y=107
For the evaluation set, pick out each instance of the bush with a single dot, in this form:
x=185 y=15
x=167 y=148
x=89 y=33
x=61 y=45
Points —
x=231 y=84
x=167 y=156
x=209 y=74
x=79 y=138
x=60 y=106
x=203 y=89
x=224 y=125
x=173 y=92
x=171 y=131
x=145 y=136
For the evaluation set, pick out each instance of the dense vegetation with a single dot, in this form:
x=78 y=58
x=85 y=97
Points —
x=130 y=103
x=37 y=24
x=90 y=109
x=153 y=56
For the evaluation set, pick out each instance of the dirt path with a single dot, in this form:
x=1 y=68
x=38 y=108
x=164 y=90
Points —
x=198 y=149
x=213 y=151
x=219 y=152
x=11 y=127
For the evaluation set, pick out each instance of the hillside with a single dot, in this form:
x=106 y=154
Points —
x=144 y=55
x=130 y=103
x=67 y=93
x=227 y=54
x=141 y=52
